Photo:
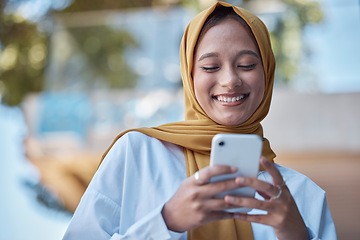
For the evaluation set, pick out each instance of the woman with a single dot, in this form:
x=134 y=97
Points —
x=153 y=183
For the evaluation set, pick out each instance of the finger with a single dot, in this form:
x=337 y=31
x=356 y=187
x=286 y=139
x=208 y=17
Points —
x=272 y=170
x=260 y=186
x=250 y=203
x=220 y=215
x=205 y=174
x=213 y=189
x=217 y=204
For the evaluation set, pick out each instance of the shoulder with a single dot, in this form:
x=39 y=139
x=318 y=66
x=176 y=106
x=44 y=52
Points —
x=137 y=141
x=125 y=150
x=140 y=148
x=135 y=138
x=132 y=141
x=137 y=156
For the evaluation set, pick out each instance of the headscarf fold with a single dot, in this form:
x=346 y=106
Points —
x=196 y=132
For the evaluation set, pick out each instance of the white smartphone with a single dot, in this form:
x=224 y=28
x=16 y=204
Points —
x=242 y=151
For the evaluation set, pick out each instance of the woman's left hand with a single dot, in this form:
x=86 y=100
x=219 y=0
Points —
x=282 y=212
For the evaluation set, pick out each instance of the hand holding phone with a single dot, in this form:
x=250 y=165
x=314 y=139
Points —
x=242 y=151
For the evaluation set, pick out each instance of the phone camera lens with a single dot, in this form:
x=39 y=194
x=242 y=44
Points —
x=222 y=143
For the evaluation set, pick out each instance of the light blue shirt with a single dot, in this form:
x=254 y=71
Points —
x=140 y=173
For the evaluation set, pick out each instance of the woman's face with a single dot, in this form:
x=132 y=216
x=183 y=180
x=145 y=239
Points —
x=228 y=74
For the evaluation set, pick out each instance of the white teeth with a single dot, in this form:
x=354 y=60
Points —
x=233 y=99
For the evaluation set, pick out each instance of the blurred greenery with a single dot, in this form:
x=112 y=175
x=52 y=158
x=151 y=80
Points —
x=84 y=5
x=24 y=52
x=287 y=37
x=103 y=48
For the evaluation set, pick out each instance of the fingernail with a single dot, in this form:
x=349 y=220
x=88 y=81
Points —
x=229 y=199
x=233 y=169
x=240 y=180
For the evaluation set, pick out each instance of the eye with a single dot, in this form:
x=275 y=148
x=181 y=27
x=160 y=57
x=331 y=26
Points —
x=247 y=67
x=209 y=69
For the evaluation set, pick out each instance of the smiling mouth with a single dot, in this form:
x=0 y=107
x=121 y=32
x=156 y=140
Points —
x=230 y=99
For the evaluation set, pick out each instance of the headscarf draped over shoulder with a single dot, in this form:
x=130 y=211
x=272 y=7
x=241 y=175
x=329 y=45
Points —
x=195 y=133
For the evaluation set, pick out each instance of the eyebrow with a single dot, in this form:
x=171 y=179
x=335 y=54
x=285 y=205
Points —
x=208 y=55
x=247 y=52
x=214 y=54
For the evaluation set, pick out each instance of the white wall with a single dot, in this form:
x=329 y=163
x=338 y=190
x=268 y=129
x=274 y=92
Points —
x=313 y=122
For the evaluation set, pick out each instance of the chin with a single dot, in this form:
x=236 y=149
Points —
x=230 y=122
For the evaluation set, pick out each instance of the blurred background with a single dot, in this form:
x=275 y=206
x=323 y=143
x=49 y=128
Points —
x=74 y=74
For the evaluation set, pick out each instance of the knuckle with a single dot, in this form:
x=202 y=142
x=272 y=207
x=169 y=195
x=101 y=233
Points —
x=205 y=176
x=197 y=206
x=194 y=195
x=262 y=205
x=281 y=222
x=223 y=186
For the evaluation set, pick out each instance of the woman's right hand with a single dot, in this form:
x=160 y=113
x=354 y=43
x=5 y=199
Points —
x=194 y=204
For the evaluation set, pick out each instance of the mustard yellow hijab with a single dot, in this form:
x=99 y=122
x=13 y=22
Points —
x=196 y=132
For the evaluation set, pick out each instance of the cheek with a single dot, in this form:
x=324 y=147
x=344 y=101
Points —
x=257 y=84
x=260 y=89
x=197 y=87
x=202 y=86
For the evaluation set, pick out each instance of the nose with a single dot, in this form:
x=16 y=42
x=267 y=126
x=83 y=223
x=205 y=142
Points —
x=229 y=78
